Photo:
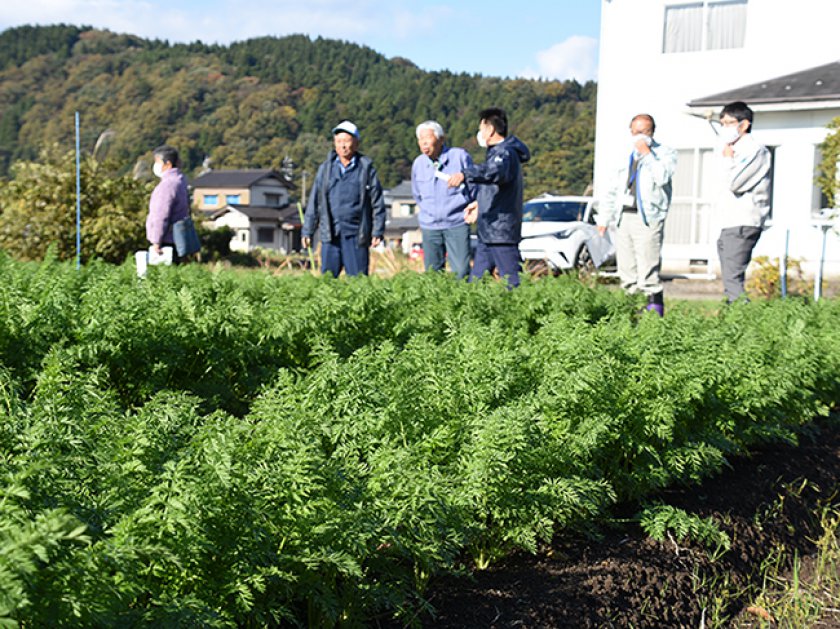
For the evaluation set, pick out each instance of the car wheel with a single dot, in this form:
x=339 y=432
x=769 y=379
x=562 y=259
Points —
x=538 y=268
x=583 y=261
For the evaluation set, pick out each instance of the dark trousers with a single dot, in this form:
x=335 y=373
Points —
x=344 y=252
x=505 y=257
x=735 y=246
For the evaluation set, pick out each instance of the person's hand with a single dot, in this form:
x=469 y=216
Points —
x=471 y=213
x=602 y=229
x=728 y=151
x=456 y=180
x=156 y=248
x=642 y=147
x=306 y=241
x=375 y=241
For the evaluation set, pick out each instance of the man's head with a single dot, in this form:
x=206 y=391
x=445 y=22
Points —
x=430 y=138
x=493 y=126
x=642 y=124
x=737 y=116
x=346 y=139
x=165 y=157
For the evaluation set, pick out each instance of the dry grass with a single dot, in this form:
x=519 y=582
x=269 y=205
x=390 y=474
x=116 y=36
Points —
x=808 y=595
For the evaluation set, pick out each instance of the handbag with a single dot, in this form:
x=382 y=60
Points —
x=185 y=237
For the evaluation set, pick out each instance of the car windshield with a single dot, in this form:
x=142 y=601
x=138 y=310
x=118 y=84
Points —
x=560 y=211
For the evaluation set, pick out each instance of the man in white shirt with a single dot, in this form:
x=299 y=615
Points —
x=744 y=203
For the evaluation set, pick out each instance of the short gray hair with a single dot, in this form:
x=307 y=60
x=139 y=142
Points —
x=432 y=126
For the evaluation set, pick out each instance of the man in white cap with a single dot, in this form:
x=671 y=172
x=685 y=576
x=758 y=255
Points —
x=345 y=206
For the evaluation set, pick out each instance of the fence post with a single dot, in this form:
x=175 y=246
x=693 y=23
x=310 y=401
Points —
x=78 y=201
x=783 y=264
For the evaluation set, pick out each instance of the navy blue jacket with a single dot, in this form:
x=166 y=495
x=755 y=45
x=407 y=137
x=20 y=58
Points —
x=500 y=191
x=319 y=214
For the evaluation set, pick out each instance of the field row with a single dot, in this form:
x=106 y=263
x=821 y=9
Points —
x=239 y=449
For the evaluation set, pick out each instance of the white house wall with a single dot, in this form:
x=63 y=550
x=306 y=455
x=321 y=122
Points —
x=782 y=37
x=796 y=136
x=240 y=225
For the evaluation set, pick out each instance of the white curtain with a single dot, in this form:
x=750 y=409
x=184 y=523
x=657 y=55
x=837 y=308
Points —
x=683 y=28
x=727 y=25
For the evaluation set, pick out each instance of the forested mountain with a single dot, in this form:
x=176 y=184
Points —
x=253 y=103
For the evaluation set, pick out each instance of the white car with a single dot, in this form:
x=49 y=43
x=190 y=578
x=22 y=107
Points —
x=560 y=232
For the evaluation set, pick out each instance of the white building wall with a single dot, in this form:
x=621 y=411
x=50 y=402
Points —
x=241 y=226
x=782 y=36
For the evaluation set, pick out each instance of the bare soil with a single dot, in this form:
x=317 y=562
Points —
x=625 y=579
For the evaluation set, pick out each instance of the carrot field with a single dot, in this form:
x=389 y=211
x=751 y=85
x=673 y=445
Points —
x=206 y=447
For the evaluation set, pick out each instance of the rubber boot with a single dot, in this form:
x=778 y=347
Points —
x=656 y=303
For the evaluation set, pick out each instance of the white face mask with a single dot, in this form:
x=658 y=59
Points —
x=157 y=169
x=634 y=139
x=728 y=135
x=481 y=141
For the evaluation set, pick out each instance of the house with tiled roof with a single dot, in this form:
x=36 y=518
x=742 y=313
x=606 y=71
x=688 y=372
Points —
x=254 y=203
x=402 y=225
x=260 y=187
x=262 y=227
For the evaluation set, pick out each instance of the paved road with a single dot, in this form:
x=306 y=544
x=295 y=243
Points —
x=681 y=288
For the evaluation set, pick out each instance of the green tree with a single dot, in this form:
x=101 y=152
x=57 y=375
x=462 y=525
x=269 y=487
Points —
x=830 y=147
x=253 y=103
x=38 y=209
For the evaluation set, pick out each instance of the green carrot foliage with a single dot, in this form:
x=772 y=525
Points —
x=216 y=448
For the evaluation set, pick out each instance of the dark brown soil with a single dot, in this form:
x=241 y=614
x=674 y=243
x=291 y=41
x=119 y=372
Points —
x=627 y=580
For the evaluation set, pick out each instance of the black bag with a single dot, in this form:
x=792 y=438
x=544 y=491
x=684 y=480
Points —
x=186 y=238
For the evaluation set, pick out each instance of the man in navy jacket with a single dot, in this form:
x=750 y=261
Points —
x=498 y=207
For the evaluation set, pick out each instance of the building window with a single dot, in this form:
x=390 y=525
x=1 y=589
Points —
x=727 y=24
x=772 y=150
x=272 y=200
x=233 y=199
x=265 y=235
x=710 y=25
x=683 y=28
x=211 y=199
x=696 y=185
x=818 y=198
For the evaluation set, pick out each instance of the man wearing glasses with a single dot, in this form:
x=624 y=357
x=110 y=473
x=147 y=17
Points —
x=744 y=203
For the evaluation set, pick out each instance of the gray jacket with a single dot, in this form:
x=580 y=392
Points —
x=745 y=199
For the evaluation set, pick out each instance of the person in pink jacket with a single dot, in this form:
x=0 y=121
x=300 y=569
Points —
x=169 y=202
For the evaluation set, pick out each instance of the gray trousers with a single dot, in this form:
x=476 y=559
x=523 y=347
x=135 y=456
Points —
x=735 y=246
x=452 y=243
x=638 y=249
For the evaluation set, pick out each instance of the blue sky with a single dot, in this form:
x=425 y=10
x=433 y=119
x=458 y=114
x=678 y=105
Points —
x=546 y=38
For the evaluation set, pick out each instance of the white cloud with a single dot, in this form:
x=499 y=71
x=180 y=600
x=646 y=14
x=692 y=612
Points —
x=574 y=58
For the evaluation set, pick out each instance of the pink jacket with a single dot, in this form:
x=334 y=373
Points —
x=169 y=204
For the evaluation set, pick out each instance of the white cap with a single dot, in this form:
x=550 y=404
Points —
x=345 y=126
